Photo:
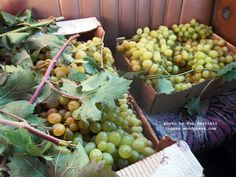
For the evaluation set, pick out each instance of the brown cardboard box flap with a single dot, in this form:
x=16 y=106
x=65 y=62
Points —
x=175 y=160
x=70 y=27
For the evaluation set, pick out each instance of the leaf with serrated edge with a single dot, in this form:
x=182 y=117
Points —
x=24 y=165
x=94 y=169
x=112 y=89
x=17 y=86
x=228 y=72
x=70 y=165
x=164 y=86
x=94 y=81
x=193 y=106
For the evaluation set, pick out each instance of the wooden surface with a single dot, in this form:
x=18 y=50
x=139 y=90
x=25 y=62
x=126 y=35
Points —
x=224 y=19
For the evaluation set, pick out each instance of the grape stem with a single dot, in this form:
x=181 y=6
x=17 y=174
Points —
x=87 y=47
x=62 y=93
x=50 y=68
x=102 y=48
x=24 y=124
x=156 y=76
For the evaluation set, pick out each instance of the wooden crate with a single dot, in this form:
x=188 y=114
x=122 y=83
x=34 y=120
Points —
x=154 y=102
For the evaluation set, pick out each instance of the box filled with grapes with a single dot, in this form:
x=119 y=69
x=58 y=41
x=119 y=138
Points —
x=176 y=67
x=92 y=105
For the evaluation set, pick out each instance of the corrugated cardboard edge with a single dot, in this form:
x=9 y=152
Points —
x=176 y=160
x=82 y=25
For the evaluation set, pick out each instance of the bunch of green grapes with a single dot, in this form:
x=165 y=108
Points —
x=184 y=60
x=94 y=48
x=192 y=30
x=204 y=58
x=59 y=115
x=151 y=51
x=117 y=138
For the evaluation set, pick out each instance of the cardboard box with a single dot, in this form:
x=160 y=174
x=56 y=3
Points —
x=86 y=27
x=154 y=102
x=176 y=160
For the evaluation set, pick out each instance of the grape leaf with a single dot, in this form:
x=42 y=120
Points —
x=25 y=165
x=21 y=108
x=94 y=169
x=22 y=142
x=70 y=87
x=228 y=72
x=53 y=42
x=11 y=68
x=17 y=86
x=70 y=165
x=22 y=58
x=193 y=105
x=17 y=38
x=94 y=81
x=76 y=76
x=47 y=95
x=164 y=86
x=8 y=19
x=132 y=75
x=110 y=90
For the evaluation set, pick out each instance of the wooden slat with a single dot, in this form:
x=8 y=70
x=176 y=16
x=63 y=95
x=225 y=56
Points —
x=110 y=15
x=225 y=27
x=200 y=10
x=90 y=8
x=143 y=13
x=70 y=9
x=158 y=13
x=45 y=8
x=173 y=11
x=127 y=17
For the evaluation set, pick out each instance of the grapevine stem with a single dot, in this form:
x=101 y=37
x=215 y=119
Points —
x=13 y=115
x=35 y=25
x=62 y=93
x=34 y=131
x=155 y=76
x=50 y=68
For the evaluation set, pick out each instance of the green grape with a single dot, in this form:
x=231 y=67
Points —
x=96 y=155
x=147 y=64
x=137 y=129
x=168 y=52
x=157 y=57
x=77 y=138
x=73 y=105
x=74 y=127
x=110 y=148
x=58 y=129
x=139 y=31
x=126 y=140
x=134 y=157
x=107 y=158
x=114 y=138
x=54 y=118
x=125 y=151
x=95 y=127
x=122 y=163
x=89 y=147
x=101 y=136
x=63 y=100
x=97 y=56
x=147 y=55
x=106 y=126
x=213 y=54
x=68 y=135
x=102 y=145
x=138 y=145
